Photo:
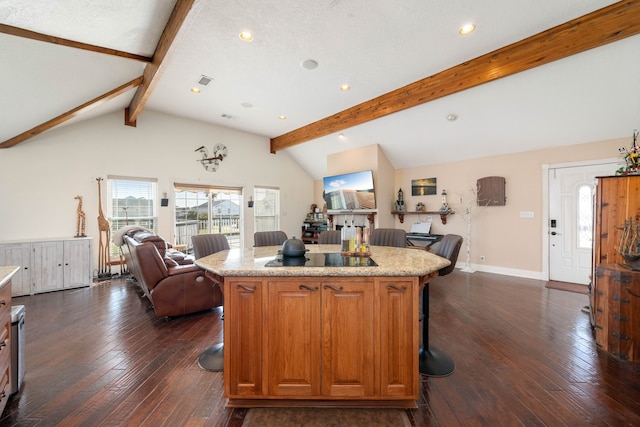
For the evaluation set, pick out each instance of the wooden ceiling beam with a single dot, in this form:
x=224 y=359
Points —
x=71 y=113
x=182 y=14
x=20 y=32
x=607 y=25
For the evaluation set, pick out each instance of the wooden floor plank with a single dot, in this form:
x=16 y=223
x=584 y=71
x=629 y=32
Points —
x=525 y=355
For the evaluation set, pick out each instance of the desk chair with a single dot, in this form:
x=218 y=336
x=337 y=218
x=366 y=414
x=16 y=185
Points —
x=212 y=359
x=269 y=238
x=394 y=237
x=329 y=237
x=434 y=362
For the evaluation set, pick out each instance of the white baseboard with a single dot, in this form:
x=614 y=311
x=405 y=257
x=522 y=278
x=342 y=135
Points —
x=536 y=275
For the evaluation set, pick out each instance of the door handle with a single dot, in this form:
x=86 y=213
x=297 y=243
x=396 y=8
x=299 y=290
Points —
x=553 y=233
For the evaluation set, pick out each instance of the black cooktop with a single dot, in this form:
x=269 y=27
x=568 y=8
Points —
x=322 y=260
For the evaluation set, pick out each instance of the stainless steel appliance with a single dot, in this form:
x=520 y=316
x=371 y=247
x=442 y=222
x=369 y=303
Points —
x=18 y=367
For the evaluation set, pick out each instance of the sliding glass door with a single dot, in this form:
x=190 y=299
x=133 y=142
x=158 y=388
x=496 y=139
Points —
x=204 y=210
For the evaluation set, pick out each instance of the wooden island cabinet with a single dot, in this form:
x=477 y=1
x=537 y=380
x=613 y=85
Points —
x=6 y=274
x=331 y=336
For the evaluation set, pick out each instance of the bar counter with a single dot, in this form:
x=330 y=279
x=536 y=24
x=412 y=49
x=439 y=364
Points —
x=391 y=262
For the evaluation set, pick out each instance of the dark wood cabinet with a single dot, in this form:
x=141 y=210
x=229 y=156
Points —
x=615 y=293
x=617 y=311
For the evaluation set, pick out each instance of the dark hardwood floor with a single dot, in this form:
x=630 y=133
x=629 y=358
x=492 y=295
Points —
x=525 y=356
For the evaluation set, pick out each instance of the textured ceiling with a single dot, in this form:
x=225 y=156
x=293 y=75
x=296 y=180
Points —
x=376 y=46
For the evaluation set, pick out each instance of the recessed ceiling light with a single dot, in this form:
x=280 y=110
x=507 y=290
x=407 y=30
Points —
x=247 y=105
x=466 y=29
x=345 y=88
x=309 y=64
x=246 y=36
x=195 y=90
x=341 y=136
x=452 y=117
x=282 y=117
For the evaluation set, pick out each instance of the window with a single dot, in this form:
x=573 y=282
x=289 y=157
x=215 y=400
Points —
x=585 y=217
x=207 y=209
x=266 y=209
x=131 y=201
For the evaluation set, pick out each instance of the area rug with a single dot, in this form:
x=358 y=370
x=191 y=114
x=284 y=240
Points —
x=570 y=287
x=325 y=417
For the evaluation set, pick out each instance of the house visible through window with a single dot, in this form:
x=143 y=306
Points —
x=131 y=201
x=207 y=209
x=266 y=209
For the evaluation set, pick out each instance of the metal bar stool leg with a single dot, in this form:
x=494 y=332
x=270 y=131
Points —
x=433 y=362
x=212 y=359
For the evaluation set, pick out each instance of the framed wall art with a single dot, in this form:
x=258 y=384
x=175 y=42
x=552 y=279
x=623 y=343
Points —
x=423 y=187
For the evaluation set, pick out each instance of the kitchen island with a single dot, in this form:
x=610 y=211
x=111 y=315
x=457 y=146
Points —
x=340 y=335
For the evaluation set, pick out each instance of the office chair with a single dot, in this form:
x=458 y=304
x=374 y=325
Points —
x=435 y=362
x=212 y=359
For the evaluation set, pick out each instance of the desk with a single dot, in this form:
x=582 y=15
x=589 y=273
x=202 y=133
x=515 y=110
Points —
x=319 y=336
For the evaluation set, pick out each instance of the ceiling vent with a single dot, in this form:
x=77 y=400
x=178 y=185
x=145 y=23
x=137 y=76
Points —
x=204 y=80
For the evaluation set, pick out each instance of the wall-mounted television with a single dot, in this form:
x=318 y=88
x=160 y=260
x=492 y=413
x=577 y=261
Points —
x=350 y=191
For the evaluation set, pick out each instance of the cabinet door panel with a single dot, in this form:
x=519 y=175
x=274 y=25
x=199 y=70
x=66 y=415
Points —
x=77 y=263
x=18 y=254
x=243 y=337
x=48 y=271
x=398 y=337
x=293 y=349
x=348 y=339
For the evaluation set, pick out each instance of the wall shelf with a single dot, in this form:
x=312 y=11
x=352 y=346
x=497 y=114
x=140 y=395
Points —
x=371 y=215
x=443 y=215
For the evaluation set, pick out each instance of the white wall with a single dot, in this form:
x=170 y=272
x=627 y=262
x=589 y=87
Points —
x=509 y=244
x=40 y=177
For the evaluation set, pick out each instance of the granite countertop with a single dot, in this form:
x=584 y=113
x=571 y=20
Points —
x=6 y=273
x=391 y=262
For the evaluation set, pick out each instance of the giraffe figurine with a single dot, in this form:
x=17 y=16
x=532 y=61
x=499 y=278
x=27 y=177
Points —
x=105 y=238
x=80 y=223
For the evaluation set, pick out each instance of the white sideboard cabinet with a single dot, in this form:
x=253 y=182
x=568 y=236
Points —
x=48 y=265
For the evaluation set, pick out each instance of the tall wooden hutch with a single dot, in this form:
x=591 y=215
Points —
x=615 y=287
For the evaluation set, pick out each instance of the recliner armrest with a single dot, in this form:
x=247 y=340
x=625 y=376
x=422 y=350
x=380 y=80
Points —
x=182 y=269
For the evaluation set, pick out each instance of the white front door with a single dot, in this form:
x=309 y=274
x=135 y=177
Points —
x=570 y=225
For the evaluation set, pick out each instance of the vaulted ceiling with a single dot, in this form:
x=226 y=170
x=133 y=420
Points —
x=533 y=73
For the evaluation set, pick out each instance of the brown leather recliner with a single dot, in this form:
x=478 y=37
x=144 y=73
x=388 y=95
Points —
x=174 y=290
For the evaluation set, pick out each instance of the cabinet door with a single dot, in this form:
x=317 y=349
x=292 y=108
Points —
x=48 y=272
x=243 y=328
x=77 y=263
x=399 y=337
x=348 y=338
x=293 y=331
x=18 y=254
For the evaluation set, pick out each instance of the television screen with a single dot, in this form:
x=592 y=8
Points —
x=350 y=191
